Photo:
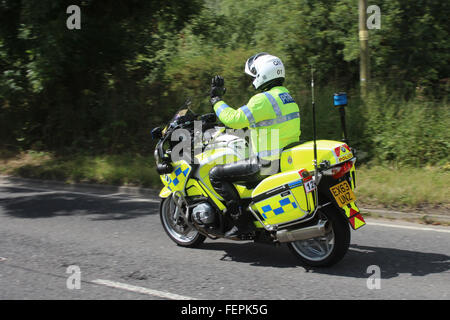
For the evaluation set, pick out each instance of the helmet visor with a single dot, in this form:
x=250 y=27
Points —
x=250 y=64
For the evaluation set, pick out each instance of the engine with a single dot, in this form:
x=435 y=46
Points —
x=204 y=214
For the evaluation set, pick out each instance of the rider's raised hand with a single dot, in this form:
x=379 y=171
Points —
x=217 y=81
x=217 y=87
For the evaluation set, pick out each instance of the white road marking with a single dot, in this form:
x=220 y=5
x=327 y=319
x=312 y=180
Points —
x=419 y=215
x=109 y=196
x=128 y=287
x=407 y=227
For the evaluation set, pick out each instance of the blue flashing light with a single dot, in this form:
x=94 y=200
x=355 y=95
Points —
x=340 y=99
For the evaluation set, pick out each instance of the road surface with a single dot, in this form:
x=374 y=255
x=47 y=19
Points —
x=115 y=245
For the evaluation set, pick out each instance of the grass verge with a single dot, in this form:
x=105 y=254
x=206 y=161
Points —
x=401 y=188
x=127 y=170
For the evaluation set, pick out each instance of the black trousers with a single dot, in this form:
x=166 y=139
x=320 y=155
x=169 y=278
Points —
x=223 y=176
x=248 y=171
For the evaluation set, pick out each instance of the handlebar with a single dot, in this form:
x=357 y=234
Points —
x=163 y=163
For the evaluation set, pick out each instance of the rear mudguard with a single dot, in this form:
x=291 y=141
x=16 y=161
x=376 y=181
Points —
x=353 y=215
x=351 y=210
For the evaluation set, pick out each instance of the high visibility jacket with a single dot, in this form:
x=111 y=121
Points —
x=273 y=119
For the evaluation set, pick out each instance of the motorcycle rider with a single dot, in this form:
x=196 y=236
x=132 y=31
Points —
x=273 y=118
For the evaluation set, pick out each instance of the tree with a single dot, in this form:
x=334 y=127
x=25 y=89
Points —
x=85 y=87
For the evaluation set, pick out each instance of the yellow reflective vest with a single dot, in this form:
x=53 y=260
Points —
x=272 y=117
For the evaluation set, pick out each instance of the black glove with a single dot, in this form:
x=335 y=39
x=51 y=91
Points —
x=217 y=89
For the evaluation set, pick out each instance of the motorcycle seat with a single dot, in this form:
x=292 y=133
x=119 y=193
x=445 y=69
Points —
x=291 y=145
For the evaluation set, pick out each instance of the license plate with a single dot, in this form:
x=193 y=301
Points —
x=343 y=194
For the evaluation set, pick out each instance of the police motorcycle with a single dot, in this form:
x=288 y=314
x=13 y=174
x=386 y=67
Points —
x=308 y=205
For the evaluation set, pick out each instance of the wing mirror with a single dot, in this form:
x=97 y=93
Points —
x=209 y=117
x=156 y=133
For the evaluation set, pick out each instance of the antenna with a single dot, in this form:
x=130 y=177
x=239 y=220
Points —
x=316 y=174
x=314 y=117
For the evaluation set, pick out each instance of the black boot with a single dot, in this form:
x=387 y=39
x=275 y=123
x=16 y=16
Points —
x=233 y=232
x=242 y=225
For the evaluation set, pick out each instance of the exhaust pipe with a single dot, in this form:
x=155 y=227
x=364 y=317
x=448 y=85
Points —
x=317 y=230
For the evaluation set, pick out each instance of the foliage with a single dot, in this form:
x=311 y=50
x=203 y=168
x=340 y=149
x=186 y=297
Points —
x=102 y=88
x=411 y=132
x=85 y=88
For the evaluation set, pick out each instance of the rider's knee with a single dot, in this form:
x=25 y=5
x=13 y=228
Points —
x=215 y=174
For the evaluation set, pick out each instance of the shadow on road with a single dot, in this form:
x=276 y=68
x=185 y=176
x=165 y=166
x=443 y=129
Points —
x=392 y=262
x=255 y=254
x=29 y=204
x=23 y=203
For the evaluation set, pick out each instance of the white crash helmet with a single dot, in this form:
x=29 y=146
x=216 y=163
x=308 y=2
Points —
x=264 y=67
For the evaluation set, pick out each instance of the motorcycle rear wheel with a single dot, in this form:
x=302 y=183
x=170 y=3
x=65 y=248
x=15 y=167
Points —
x=329 y=249
x=178 y=231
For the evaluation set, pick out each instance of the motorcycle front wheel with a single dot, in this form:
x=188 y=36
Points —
x=326 y=250
x=175 y=227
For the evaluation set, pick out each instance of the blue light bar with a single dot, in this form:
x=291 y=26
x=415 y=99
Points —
x=340 y=99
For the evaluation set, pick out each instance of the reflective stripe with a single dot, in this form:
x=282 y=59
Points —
x=248 y=114
x=269 y=122
x=221 y=108
x=268 y=153
x=274 y=103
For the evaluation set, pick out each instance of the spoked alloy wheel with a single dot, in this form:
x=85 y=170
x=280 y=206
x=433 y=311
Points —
x=175 y=226
x=328 y=249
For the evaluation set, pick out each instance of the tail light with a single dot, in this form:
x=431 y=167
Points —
x=340 y=170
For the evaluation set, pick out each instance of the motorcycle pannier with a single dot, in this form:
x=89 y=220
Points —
x=283 y=198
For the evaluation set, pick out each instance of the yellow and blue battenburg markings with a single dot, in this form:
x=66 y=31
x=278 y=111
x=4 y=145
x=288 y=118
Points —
x=177 y=176
x=281 y=203
x=282 y=206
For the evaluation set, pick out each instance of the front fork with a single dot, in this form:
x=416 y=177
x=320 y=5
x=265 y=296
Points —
x=179 y=201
